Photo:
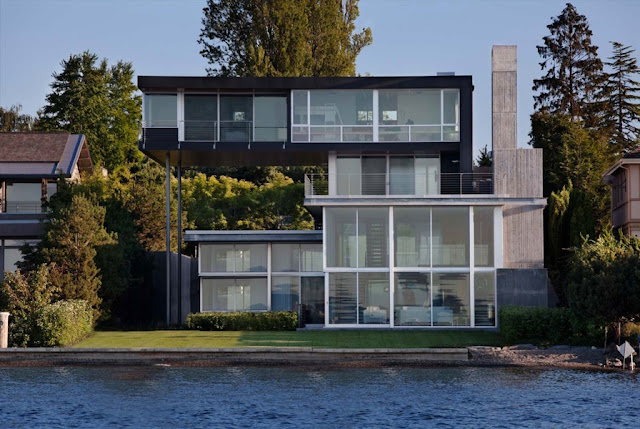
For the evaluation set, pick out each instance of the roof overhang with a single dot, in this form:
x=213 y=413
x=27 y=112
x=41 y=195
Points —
x=289 y=236
x=620 y=164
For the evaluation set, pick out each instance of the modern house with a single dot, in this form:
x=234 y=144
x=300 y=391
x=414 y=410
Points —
x=409 y=233
x=624 y=178
x=30 y=165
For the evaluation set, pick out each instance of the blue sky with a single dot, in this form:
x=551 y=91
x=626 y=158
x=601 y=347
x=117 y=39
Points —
x=410 y=37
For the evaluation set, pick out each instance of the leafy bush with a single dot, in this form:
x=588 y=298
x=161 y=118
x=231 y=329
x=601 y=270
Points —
x=547 y=325
x=245 y=321
x=63 y=323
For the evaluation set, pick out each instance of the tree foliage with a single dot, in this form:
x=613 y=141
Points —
x=11 y=120
x=604 y=279
x=573 y=71
x=621 y=93
x=484 y=158
x=92 y=98
x=73 y=232
x=283 y=38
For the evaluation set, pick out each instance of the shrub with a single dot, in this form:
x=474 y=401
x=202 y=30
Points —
x=547 y=325
x=63 y=323
x=244 y=321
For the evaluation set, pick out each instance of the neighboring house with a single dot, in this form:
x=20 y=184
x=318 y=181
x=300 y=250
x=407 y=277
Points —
x=411 y=235
x=30 y=165
x=624 y=178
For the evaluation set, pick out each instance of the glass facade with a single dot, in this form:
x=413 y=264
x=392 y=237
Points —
x=161 y=110
x=414 y=115
x=23 y=197
x=232 y=258
x=387 y=175
x=431 y=277
x=234 y=294
x=322 y=115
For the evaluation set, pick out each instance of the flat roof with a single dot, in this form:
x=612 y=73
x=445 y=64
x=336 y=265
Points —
x=254 y=236
x=146 y=83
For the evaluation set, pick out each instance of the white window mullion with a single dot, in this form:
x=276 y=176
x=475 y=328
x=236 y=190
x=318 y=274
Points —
x=431 y=262
x=375 y=115
x=391 y=270
x=472 y=288
x=269 y=276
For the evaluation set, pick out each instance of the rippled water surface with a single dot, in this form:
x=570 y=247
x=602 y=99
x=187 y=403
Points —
x=275 y=397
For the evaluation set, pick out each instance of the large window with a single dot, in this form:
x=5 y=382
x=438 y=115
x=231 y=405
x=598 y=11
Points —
x=412 y=227
x=285 y=293
x=418 y=115
x=333 y=115
x=236 y=118
x=359 y=298
x=161 y=110
x=413 y=299
x=23 y=197
x=234 y=294
x=450 y=236
x=485 y=298
x=483 y=236
x=200 y=117
x=387 y=175
x=271 y=118
x=233 y=258
x=361 y=243
x=451 y=299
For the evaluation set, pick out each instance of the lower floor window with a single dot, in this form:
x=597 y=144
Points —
x=239 y=294
x=359 y=298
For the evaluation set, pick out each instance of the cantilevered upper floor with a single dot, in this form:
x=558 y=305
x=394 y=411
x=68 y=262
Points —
x=297 y=121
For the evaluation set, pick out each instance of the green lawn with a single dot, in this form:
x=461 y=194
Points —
x=324 y=339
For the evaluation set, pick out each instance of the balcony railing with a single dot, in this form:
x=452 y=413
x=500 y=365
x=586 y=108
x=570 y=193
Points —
x=23 y=207
x=399 y=184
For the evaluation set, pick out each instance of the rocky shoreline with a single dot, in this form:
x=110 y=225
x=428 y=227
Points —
x=528 y=355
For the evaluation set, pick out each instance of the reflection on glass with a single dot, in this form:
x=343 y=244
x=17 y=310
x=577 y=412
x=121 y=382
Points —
x=311 y=257
x=348 y=175
x=341 y=237
x=402 y=175
x=161 y=110
x=451 y=299
x=374 y=175
x=312 y=298
x=342 y=298
x=451 y=106
x=412 y=236
x=285 y=293
x=373 y=295
x=285 y=257
x=216 y=258
x=236 y=118
x=251 y=257
x=483 y=236
x=300 y=111
x=485 y=295
x=450 y=236
x=23 y=197
x=241 y=294
x=412 y=299
x=373 y=248
x=200 y=117
x=11 y=257
x=271 y=118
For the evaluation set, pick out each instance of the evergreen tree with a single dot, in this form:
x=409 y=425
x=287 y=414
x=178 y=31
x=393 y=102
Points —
x=283 y=38
x=622 y=94
x=484 y=159
x=75 y=229
x=89 y=97
x=573 y=71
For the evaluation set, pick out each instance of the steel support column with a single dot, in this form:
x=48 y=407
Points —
x=179 y=173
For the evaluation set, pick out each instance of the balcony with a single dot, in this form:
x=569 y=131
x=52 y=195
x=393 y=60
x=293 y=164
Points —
x=413 y=185
x=23 y=207
x=222 y=131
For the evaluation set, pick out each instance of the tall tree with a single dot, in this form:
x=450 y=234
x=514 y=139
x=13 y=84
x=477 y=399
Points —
x=574 y=72
x=484 y=158
x=90 y=97
x=622 y=94
x=281 y=38
x=11 y=120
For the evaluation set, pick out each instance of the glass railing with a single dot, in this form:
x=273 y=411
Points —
x=23 y=207
x=399 y=184
x=419 y=133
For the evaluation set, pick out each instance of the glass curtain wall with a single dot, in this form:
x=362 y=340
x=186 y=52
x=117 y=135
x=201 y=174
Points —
x=216 y=258
x=271 y=118
x=406 y=175
x=236 y=118
x=200 y=117
x=23 y=197
x=234 y=294
x=161 y=110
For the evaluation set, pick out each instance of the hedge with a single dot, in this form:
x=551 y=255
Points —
x=547 y=326
x=63 y=323
x=244 y=321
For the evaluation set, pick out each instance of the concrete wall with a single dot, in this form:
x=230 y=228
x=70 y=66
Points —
x=524 y=287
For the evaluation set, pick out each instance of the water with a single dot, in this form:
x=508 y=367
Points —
x=299 y=397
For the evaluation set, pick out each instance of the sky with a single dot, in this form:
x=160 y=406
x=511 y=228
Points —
x=410 y=37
